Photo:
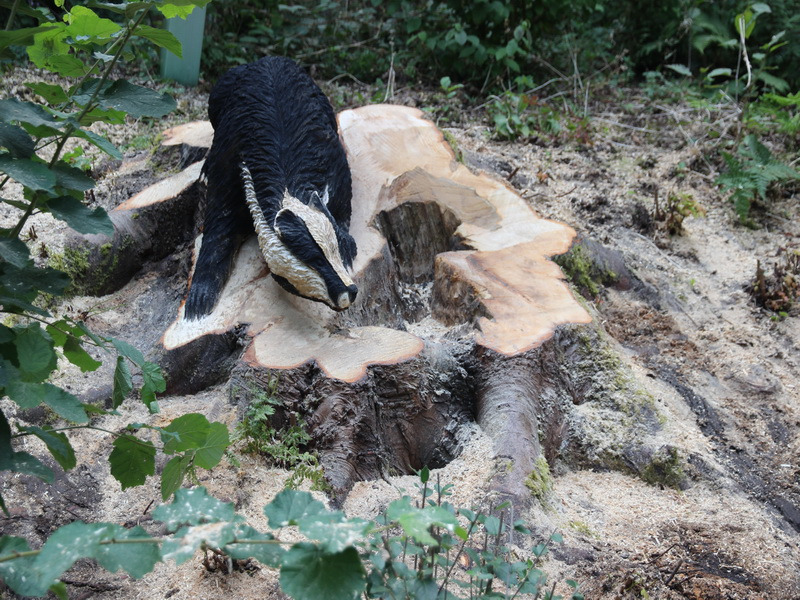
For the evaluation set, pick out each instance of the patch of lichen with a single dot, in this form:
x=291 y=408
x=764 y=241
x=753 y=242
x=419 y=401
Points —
x=665 y=468
x=586 y=274
x=539 y=481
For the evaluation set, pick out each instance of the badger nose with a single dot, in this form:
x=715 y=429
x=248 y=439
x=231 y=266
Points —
x=347 y=298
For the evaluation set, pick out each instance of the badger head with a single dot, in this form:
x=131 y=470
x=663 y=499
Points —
x=306 y=250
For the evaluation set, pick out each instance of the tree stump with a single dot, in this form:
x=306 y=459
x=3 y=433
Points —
x=460 y=315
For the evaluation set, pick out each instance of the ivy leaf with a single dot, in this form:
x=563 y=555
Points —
x=267 y=554
x=289 y=506
x=57 y=443
x=173 y=474
x=18 y=142
x=160 y=37
x=309 y=573
x=14 y=251
x=27 y=172
x=193 y=507
x=78 y=216
x=214 y=446
x=123 y=383
x=416 y=521
x=132 y=460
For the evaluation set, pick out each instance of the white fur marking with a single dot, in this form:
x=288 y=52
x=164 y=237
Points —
x=280 y=259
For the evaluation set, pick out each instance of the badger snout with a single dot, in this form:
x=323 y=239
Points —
x=347 y=298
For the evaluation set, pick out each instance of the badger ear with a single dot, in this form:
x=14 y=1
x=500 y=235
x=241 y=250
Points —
x=283 y=216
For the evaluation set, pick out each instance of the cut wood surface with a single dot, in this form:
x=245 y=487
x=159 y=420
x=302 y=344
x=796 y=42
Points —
x=479 y=245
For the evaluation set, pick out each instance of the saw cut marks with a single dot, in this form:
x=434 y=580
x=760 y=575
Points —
x=480 y=246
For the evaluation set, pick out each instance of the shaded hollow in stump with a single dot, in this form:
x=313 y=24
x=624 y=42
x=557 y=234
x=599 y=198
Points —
x=457 y=308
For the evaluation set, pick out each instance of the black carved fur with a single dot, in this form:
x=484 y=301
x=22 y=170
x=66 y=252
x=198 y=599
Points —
x=274 y=117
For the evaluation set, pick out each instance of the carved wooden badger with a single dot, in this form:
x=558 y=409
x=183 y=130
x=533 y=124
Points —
x=276 y=157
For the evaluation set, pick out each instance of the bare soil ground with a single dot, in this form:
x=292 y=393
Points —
x=724 y=375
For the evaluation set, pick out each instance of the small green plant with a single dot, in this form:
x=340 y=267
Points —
x=34 y=138
x=284 y=447
x=779 y=290
x=414 y=550
x=751 y=174
x=678 y=207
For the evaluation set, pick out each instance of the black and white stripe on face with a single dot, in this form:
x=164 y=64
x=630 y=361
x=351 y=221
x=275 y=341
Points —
x=301 y=249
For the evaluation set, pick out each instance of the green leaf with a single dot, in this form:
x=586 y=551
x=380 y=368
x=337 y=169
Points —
x=416 y=521
x=99 y=141
x=333 y=530
x=289 y=506
x=106 y=115
x=190 y=430
x=153 y=377
x=76 y=354
x=214 y=446
x=135 y=559
x=267 y=554
x=136 y=100
x=183 y=545
x=16 y=140
x=57 y=443
x=132 y=460
x=681 y=70
x=14 y=573
x=27 y=172
x=85 y=26
x=130 y=352
x=173 y=474
x=35 y=353
x=179 y=8
x=21 y=37
x=52 y=93
x=72 y=178
x=19 y=462
x=309 y=573
x=721 y=72
x=123 y=384
x=14 y=251
x=78 y=216
x=160 y=37
x=64 y=404
x=13 y=110
x=193 y=507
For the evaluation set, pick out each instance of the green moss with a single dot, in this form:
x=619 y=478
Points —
x=539 y=481
x=75 y=263
x=583 y=528
x=450 y=139
x=105 y=249
x=665 y=468
x=586 y=274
